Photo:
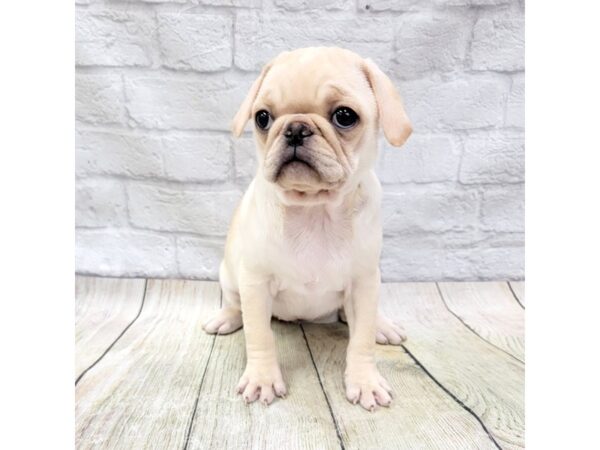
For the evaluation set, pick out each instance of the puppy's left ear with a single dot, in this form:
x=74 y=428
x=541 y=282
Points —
x=243 y=114
x=394 y=121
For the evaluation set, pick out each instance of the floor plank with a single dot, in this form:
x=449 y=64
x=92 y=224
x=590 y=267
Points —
x=490 y=310
x=422 y=415
x=518 y=287
x=485 y=379
x=300 y=421
x=142 y=393
x=104 y=308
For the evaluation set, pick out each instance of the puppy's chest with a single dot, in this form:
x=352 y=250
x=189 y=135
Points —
x=317 y=252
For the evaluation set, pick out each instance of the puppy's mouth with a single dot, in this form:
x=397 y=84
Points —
x=294 y=163
x=300 y=183
x=304 y=174
x=295 y=168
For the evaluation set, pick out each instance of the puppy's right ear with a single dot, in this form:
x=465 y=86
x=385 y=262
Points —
x=243 y=114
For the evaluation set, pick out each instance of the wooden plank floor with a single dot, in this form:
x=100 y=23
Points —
x=148 y=377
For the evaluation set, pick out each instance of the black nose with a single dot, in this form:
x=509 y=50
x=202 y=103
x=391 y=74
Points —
x=296 y=132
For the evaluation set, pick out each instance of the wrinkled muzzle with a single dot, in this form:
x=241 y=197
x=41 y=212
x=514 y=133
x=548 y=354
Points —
x=300 y=157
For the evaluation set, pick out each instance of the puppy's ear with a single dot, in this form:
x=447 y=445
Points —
x=243 y=114
x=394 y=121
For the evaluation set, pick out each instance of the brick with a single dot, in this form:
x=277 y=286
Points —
x=423 y=159
x=502 y=238
x=112 y=153
x=185 y=157
x=389 y=5
x=426 y=43
x=401 y=262
x=238 y=3
x=424 y=264
x=181 y=209
x=428 y=209
x=261 y=37
x=114 y=38
x=493 y=158
x=196 y=158
x=199 y=257
x=503 y=209
x=502 y=263
x=100 y=203
x=498 y=43
x=123 y=252
x=467 y=103
x=244 y=150
x=99 y=99
x=165 y=1
x=195 y=42
x=210 y=102
x=515 y=106
x=426 y=256
x=420 y=239
x=472 y=2
x=297 y=5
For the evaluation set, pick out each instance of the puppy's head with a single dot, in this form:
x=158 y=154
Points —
x=316 y=114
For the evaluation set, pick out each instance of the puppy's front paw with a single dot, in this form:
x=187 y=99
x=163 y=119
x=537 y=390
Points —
x=389 y=332
x=261 y=381
x=366 y=386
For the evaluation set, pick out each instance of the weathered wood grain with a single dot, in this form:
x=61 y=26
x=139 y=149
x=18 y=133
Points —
x=164 y=370
x=300 y=421
x=518 y=287
x=103 y=309
x=142 y=393
x=490 y=310
x=484 y=378
x=422 y=415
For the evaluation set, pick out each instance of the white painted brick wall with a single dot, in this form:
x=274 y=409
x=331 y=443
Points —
x=195 y=41
x=158 y=174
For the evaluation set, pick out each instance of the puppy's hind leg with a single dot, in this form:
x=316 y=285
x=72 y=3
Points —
x=388 y=331
x=229 y=318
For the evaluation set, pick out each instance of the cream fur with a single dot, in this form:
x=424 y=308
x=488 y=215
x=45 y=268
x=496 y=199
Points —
x=305 y=244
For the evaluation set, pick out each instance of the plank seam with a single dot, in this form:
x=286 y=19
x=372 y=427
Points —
x=454 y=397
x=515 y=295
x=78 y=379
x=193 y=417
x=472 y=330
x=335 y=424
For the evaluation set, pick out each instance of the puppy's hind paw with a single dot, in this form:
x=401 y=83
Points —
x=389 y=332
x=225 y=321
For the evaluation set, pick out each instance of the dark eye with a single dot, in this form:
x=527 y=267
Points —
x=263 y=119
x=344 y=117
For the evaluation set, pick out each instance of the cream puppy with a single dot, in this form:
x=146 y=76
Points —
x=306 y=239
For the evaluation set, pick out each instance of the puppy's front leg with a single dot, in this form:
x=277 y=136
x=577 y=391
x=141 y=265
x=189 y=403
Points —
x=363 y=382
x=262 y=377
